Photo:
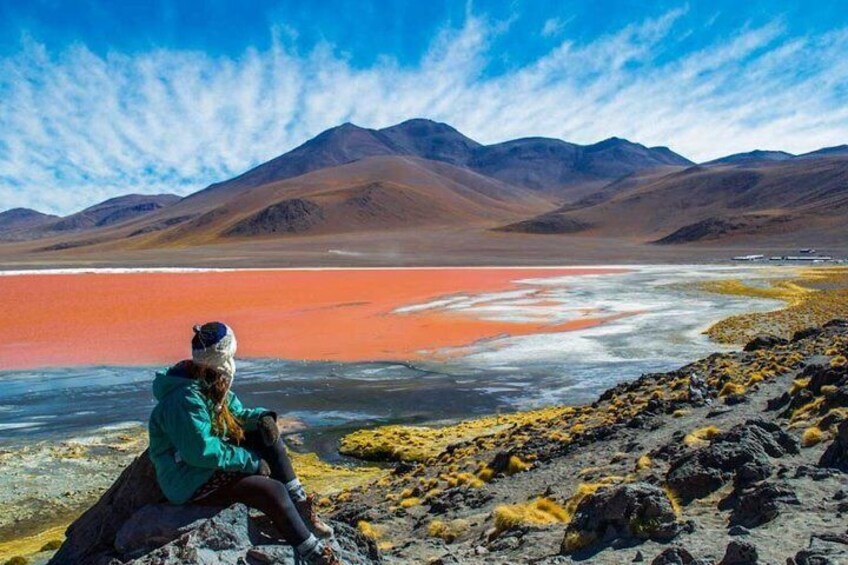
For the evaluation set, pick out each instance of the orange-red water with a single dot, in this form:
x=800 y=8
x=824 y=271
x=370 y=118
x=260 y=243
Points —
x=344 y=315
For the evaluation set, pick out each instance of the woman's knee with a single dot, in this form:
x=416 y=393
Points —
x=267 y=492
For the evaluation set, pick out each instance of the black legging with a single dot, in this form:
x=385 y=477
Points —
x=266 y=494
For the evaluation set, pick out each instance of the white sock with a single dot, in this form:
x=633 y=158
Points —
x=309 y=547
x=296 y=490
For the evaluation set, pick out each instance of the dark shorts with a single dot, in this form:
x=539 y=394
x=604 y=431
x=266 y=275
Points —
x=218 y=480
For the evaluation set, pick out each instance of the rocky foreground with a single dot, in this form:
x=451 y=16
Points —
x=738 y=458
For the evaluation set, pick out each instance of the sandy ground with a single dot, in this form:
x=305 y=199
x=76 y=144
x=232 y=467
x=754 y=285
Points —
x=430 y=247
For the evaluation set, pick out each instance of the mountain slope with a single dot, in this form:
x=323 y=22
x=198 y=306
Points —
x=22 y=224
x=373 y=194
x=752 y=157
x=22 y=218
x=114 y=211
x=707 y=203
x=549 y=165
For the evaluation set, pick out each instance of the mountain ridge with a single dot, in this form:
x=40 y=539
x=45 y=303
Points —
x=426 y=177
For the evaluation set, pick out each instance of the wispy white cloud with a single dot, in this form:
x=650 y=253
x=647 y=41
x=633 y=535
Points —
x=553 y=27
x=76 y=127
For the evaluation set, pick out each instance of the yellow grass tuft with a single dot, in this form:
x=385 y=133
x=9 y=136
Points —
x=448 y=531
x=420 y=443
x=643 y=462
x=756 y=377
x=798 y=385
x=811 y=437
x=679 y=413
x=829 y=390
x=808 y=410
x=575 y=541
x=516 y=465
x=538 y=512
x=674 y=499
x=701 y=435
x=369 y=530
x=486 y=474
x=410 y=502
x=839 y=361
x=732 y=388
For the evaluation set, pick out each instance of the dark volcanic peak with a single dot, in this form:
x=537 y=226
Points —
x=336 y=146
x=114 y=211
x=536 y=163
x=431 y=140
x=20 y=218
x=835 y=151
x=752 y=157
x=616 y=157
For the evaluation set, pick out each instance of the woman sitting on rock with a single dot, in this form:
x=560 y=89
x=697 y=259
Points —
x=209 y=449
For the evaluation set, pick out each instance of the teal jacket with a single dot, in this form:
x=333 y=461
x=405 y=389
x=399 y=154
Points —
x=184 y=450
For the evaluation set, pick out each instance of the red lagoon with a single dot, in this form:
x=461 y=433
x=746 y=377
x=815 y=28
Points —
x=130 y=318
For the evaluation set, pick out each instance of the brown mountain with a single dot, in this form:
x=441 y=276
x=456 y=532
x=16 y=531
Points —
x=23 y=218
x=377 y=193
x=722 y=201
x=23 y=224
x=564 y=170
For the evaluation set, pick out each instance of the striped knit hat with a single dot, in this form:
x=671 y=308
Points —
x=214 y=345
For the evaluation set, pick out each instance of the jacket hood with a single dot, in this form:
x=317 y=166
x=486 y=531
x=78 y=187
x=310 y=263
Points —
x=168 y=381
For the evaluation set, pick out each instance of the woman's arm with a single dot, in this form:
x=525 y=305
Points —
x=249 y=417
x=189 y=427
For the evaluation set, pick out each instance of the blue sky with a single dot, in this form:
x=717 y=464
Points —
x=104 y=98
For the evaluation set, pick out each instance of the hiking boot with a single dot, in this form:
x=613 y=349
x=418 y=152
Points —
x=306 y=509
x=325 y=557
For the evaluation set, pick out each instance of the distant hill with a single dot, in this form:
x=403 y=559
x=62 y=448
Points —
x=752 y=157
x=22 y=224
x=114 y=211
x=723 y=201
x=23 y=218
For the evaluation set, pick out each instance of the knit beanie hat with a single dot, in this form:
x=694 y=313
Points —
x=214 y=345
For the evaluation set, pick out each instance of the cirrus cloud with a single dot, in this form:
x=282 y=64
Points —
x=77 y=127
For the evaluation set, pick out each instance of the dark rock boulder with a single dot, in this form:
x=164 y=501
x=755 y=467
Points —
x=158 y=524
x=233 y=537
x=761 y=504
x=821 y=374
x=91 y=538
x=741 y=454
x=224 y=538
x=824 y=549
x=766 y=341
x=131 y=524
x=805 y=333
x=638 y=511
x=674 y=556
x=836 y=454
x=740 y=553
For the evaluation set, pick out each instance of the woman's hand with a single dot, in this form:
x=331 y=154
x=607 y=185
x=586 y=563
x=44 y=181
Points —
x=264 y=468
x=268 y=430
